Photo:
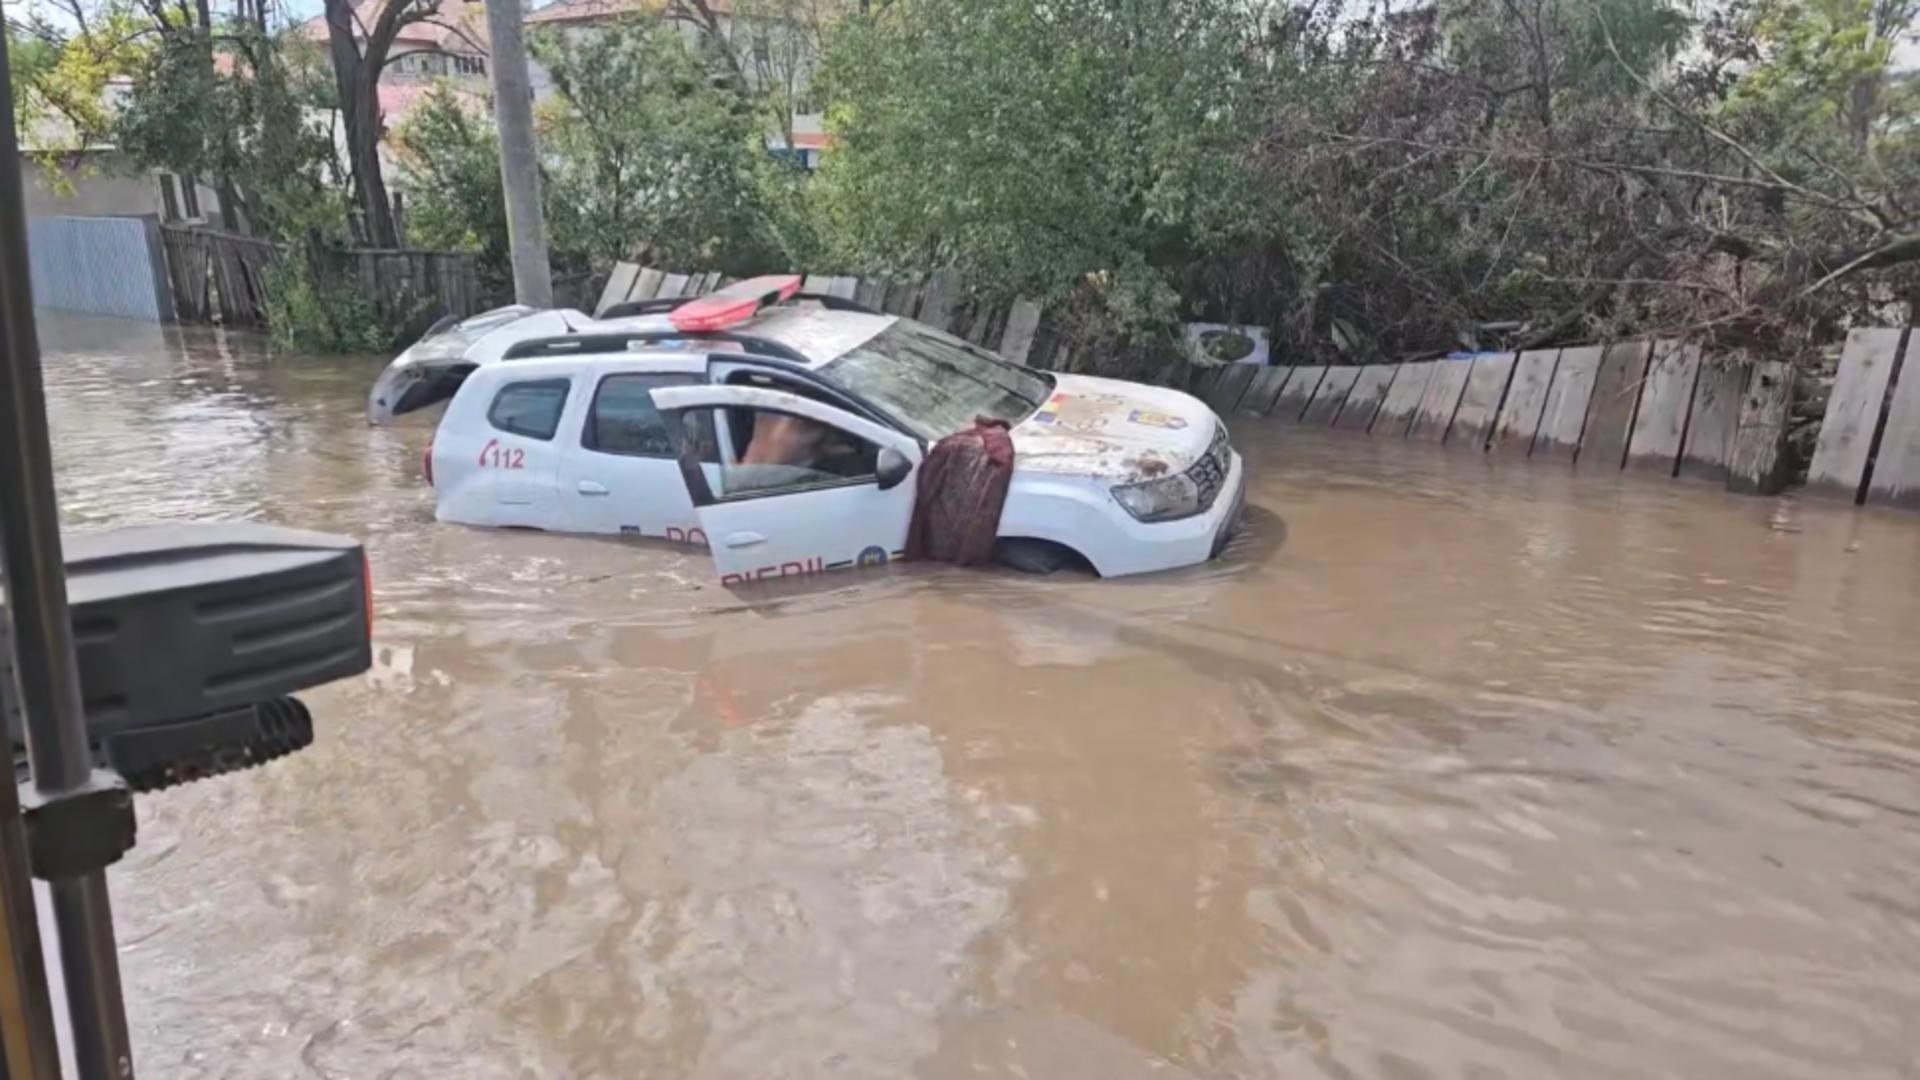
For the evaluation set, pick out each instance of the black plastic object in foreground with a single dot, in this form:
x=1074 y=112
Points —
x=190 y=638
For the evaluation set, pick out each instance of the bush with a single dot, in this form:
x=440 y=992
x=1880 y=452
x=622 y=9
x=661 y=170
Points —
x=653 y=151
x=309 y=314
x=449 y=160
x=1042 y=149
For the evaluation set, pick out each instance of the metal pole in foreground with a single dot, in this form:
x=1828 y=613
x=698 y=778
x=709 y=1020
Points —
x=45 y=668
x=32 y=1050
x=519 y=158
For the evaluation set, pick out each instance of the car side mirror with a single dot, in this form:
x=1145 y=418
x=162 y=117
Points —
x=892 y=468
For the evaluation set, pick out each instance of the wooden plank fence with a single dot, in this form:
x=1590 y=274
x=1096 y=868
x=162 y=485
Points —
x=1532 y=384
x=1264 y=393
x=1403 y=398
x=1660 y=406
x=219 y=276
x=1480 y=402
x=408 y=286
x=1839 y=468
x=1610 y=412
x=1712 y=422
x=1758 y=460
x=1331 y=395
x=1564 y=417
x=1661 y=425
x=1299 y=391
x=1434 y=415
x=1370 y=389
x=1656 y=406
x=1896 y=468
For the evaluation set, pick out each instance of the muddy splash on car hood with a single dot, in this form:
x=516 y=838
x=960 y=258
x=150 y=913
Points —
x=1104 y=427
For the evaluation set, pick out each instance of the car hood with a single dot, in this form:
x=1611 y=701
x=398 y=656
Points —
x=1109 y=428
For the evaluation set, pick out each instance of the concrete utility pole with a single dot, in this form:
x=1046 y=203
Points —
x=519 y=158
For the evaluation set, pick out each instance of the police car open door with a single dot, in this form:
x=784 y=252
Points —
x=801 y=487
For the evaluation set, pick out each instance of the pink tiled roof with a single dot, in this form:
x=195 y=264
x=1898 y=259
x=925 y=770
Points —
x=399 y=99
x=566 y=11
x=460 y=26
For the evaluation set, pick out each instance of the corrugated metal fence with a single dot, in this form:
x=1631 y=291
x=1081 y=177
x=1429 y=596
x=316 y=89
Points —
x=100 y=265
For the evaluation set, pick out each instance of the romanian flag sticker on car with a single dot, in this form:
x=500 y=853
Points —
x=1149 y=418
x=1050 y=412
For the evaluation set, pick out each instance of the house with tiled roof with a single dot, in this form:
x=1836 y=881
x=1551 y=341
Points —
x=450 y=45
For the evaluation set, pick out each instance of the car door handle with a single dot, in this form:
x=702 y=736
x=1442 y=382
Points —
x=591 y=487
x=744 y=539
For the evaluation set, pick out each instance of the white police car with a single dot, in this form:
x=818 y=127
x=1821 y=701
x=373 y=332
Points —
x=783 y=432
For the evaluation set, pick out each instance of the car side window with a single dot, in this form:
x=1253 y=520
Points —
x=531 y=409
x=777 y=453
x=623 y=419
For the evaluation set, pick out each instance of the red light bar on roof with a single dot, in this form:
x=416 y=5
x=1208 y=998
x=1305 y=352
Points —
x=734 y=304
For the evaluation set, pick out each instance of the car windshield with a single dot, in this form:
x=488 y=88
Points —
x=937 y=384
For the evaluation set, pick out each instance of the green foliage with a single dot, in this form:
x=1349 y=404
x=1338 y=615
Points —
x=308 y=313
x=1822 y=71
x=1042 y=148
x=449 y=162
x=1521 y=172
x=651 y=149
x=313 y=302
x=250 y=128
x=60 y=77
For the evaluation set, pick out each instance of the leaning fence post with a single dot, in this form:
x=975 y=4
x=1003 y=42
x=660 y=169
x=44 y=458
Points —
x=1759 y=445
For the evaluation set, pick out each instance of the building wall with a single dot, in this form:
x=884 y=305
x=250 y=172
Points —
x=101 y=184
x=93 y=192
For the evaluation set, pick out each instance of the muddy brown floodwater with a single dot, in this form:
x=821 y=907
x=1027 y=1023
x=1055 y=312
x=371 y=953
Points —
x=1449 y=768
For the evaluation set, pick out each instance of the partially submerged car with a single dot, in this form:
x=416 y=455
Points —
x=784 y=431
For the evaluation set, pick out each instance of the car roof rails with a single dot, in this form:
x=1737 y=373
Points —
x=582 y=344
x=664 y=305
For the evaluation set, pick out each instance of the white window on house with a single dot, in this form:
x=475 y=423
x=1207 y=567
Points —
x=190 y=196
x=470 y=65
x=179 y=197
x=169 y=197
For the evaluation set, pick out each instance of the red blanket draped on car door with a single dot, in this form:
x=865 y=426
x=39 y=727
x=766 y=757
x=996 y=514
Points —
x=961 y=488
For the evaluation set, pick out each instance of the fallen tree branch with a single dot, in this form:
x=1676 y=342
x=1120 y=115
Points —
x=1900 y=249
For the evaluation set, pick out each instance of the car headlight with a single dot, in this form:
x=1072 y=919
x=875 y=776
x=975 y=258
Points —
x=1168 y=498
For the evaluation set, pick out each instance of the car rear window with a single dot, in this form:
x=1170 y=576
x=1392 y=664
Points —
x=530 y=408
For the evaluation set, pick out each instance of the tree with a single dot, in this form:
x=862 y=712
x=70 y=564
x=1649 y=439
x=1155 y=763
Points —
x=356 y=72
x=771 y=49
x=1526 y=172
x=650 y=150
x=450 y=168
x=1040 y=148
x=60 y=71
x=361 y=35
x=250 y=126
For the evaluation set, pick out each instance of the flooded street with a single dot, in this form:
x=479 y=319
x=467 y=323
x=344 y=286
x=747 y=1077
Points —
x=1450 y=768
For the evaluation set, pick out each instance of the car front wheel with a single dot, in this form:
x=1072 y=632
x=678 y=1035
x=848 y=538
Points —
x=1030 y=556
